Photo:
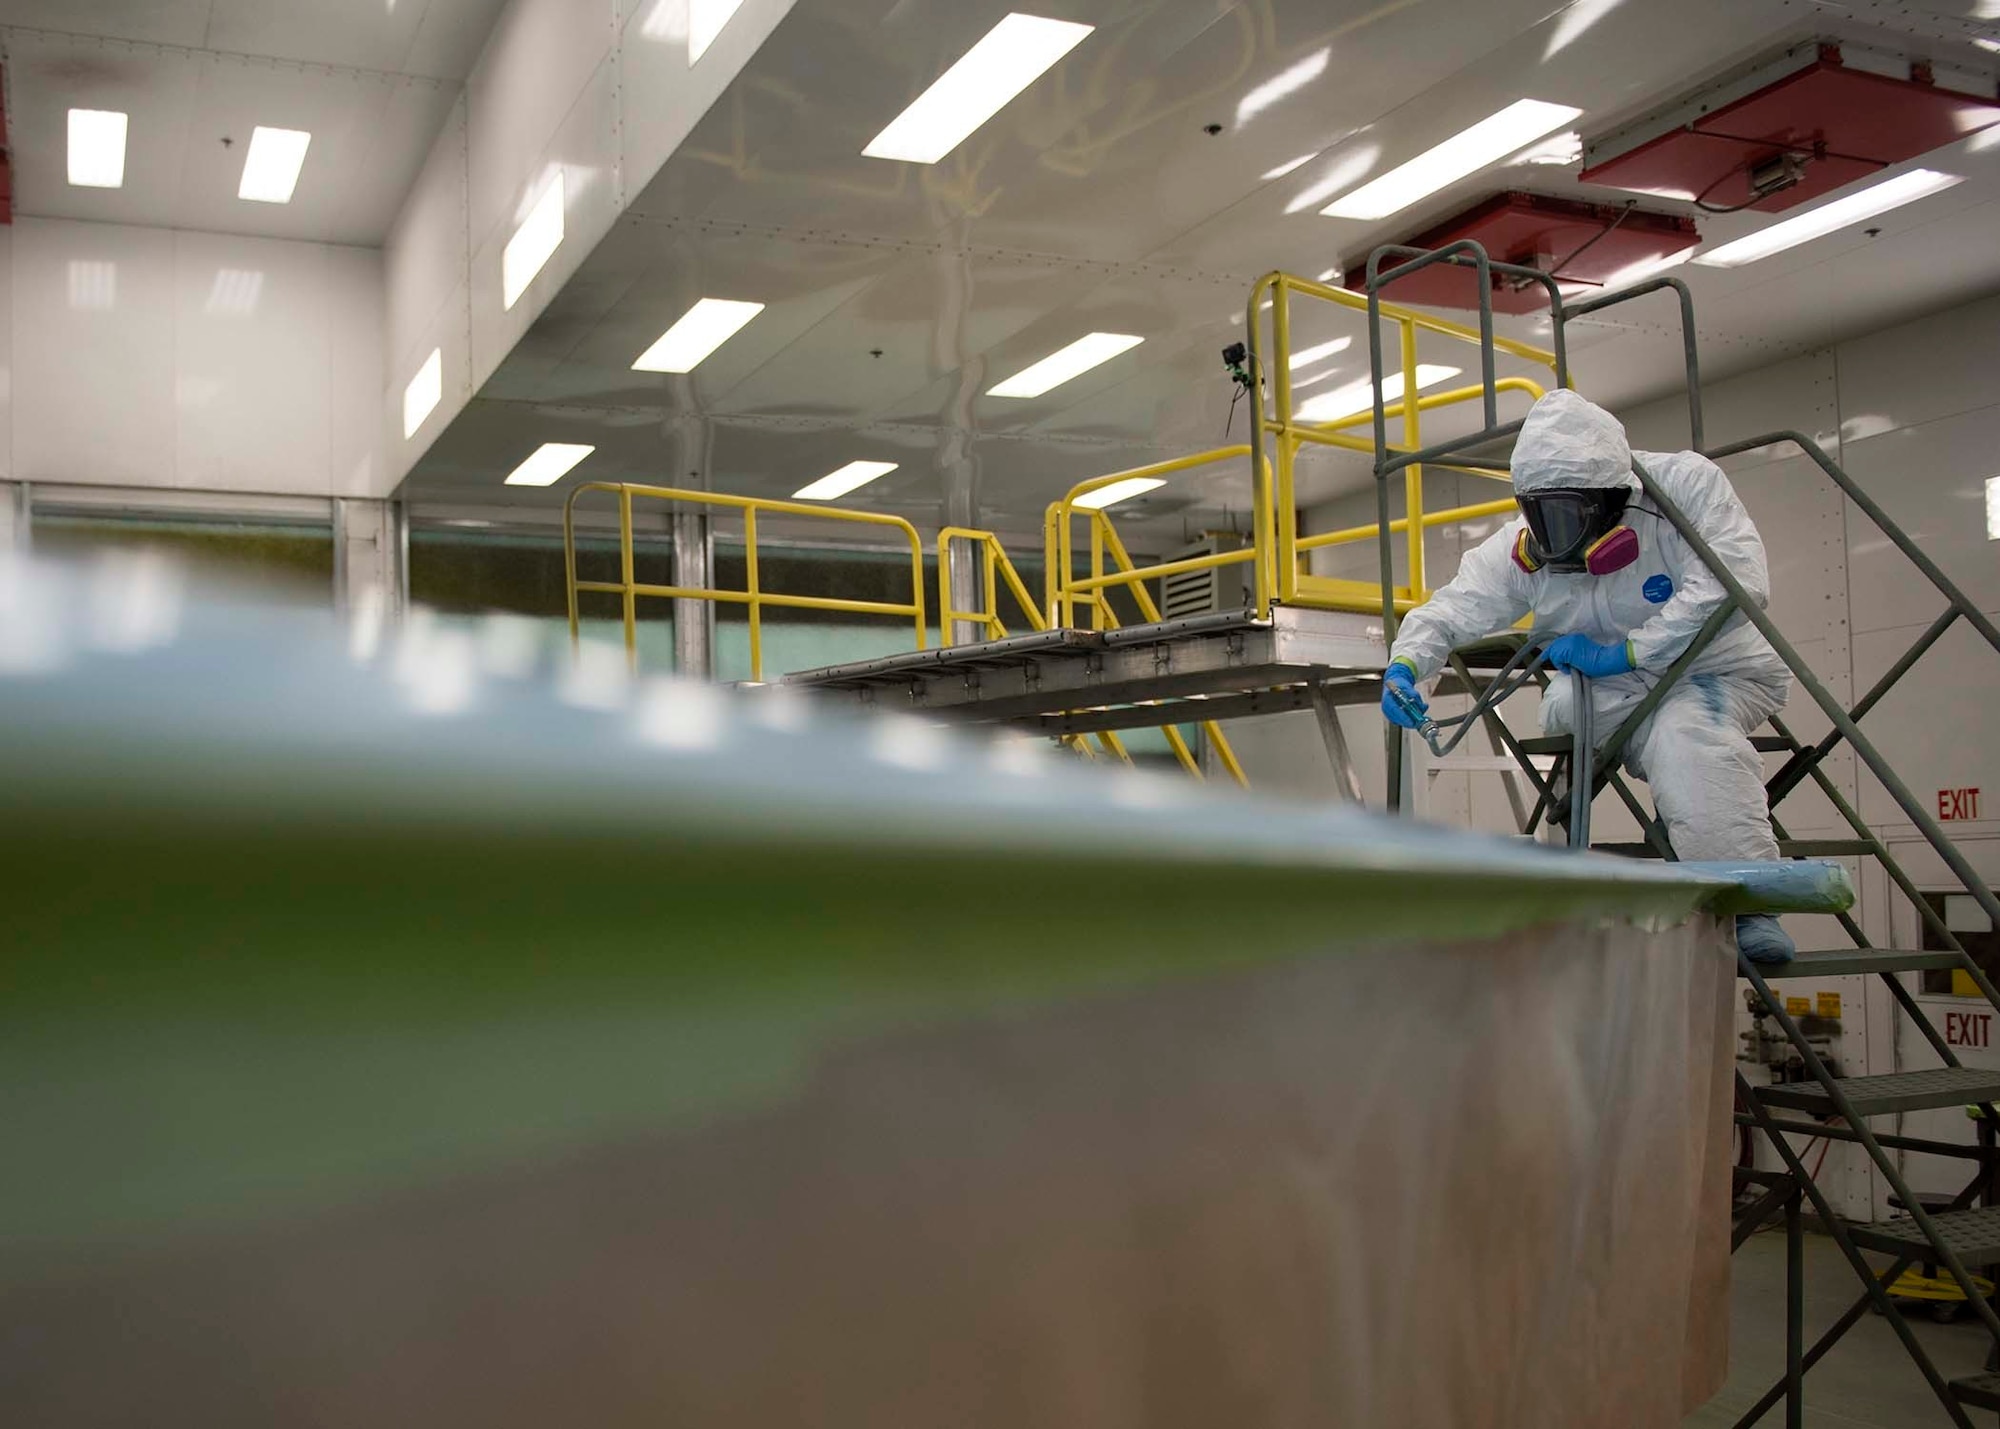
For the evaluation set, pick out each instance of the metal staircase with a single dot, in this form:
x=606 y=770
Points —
x=1964 y=1235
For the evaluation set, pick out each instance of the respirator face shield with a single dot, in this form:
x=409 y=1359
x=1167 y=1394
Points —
x=1576 y=529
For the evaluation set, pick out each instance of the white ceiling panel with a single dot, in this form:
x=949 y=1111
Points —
x=1095 y=201
x=372 y=81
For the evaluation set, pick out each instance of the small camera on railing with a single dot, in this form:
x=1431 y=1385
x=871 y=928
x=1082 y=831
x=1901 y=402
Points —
x=1236 y=357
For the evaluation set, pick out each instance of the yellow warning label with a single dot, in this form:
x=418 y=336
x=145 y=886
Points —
x=1829 y=1004
x=1798 y=1006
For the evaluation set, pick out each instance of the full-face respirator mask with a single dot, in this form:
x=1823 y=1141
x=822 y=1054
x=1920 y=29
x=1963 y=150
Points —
x=1574 y=530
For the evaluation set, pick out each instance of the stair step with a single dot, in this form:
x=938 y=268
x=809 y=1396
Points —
x=1845 y=961
x=1897 y=1091
x=1562 y=744
x=1840 y=962
x=1787 y=848
x=1974 y=1234
x=1980 y=1391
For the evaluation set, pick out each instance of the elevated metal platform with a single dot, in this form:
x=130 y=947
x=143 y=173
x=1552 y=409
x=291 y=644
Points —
x=1063 y=682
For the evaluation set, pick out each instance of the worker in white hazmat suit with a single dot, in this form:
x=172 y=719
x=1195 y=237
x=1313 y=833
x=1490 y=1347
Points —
x=1591 y=558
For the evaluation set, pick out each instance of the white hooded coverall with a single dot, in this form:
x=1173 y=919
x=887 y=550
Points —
x=1694 y=750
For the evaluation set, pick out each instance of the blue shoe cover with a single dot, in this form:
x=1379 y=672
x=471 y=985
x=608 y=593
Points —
x=1762 y=940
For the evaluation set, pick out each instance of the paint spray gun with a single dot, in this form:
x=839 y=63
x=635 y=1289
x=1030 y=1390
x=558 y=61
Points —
x=1413 y=706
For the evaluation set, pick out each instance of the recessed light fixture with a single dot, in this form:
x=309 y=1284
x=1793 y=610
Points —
x=533 y=243
x=1060 y=366
x=852 y=477
x=1287 y=81
x=1305 y=356
x=1466 y=152
x=551 y=462
x=271 y=167
x=97 y=148
x=701 y=330
x=1829 y=217
x=1993 y=508
x=1118 y=491
x=421 y=397
x=705 y=21
x=1289 y=165
x=1359 y=396
x=1986 y=43
x=1010 y=57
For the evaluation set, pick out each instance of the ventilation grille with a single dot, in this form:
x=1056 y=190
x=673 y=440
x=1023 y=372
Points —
x=1204 y=592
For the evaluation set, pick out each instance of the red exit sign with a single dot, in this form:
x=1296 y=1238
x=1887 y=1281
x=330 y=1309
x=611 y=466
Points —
x=1968 y=1029
x=1958 y=804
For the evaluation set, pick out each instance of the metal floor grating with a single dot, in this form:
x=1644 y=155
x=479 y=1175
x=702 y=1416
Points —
x=1898 y=1091
x=1974 y=1235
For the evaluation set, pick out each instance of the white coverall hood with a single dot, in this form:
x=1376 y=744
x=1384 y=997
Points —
x=1570 y=442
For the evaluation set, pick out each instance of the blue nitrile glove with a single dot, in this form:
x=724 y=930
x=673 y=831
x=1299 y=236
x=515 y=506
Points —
x=1584 y=656
x=1401 y=704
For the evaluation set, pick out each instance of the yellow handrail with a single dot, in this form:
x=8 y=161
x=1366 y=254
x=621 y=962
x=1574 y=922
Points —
x=1288 y=433
x=1066 y=591
x=753 y=595
x=995 y=565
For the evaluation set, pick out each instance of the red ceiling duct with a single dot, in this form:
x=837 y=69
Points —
x=1580 y=243
x=1788 y=131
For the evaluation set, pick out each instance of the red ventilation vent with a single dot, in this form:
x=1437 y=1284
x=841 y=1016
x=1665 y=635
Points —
x=1582 y=243
x=1838 y=123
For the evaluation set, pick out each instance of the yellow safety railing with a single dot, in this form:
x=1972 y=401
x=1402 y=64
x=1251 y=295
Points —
x=1067 y=590
x=994 y=569
x=753 y=595
x=1278 y=422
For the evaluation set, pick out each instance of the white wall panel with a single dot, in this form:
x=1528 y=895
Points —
x=356 y=451
x=6 y=353
x=1799 y=395
x=251 y=384
x=585 y=151
x=154 y=358
x=664 y=96
x=94 y=321
x=541 y=55
x=1936 y=367
x=1935 y=726
x=1931 y=479
x=425 y=259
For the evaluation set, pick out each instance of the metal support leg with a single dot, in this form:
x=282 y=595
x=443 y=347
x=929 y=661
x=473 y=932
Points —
x=1795 y=1310
x=1335 y=737
x=1582 y=766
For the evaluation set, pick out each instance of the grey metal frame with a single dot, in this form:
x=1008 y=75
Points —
x=1591 y=768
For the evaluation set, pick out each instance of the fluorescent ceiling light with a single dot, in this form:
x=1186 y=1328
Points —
x=1828 y=217
x=852 y=477
x=420 y=398
x=1289 y=165
x=533 y=243
x=702 y=329
x=1558 y=149
x=1286 y=82
x=1358 y=396
x=1305 y=356
x=1331 y=275
x=1116 y=492
x=705 y=21
x=1059 y=367
x=96 y=148
x=1466 y=152
x=1993 y=508
x=1012 y=55
x=550 y=464
x=271 y=167
x=1987 y=44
